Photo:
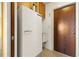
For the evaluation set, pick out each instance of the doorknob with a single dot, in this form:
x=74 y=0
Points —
x=12 y=37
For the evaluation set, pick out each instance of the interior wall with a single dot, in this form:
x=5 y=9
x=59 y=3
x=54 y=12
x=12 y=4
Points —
x=0 y=29
x=77 y=29
x=49 y=21
x=15 y=29
x=5 y=29
x=8 y=28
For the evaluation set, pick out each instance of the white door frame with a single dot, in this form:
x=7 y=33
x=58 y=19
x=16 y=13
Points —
x=15 y=33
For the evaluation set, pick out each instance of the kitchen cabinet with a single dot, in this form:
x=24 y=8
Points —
x=42 y=9
x=27 y=4
x=40 y=6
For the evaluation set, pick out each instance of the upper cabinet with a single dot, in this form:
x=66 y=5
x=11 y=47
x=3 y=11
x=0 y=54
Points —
x=42 y=9
x=39 y=6
x=27 y=4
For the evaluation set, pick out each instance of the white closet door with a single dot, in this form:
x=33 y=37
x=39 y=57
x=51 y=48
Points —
x=31 y=36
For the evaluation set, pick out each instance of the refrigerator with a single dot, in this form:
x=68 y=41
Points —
x=29 y=42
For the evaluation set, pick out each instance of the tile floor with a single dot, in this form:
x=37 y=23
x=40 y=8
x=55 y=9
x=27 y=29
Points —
x=48 y=53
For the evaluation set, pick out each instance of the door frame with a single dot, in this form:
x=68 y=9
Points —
x=12 y=29
x=14 y=53
x=75 y=24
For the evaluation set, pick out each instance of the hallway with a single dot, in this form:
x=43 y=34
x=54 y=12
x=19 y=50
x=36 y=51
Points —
x=54 y=28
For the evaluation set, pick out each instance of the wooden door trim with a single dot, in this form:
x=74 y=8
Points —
x=12 y=29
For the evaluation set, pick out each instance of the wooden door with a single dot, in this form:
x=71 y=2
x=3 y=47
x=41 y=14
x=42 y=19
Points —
x=12 y=29
x=64 y=30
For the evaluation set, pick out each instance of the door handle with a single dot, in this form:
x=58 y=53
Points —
x=12 y=37
x=27 y=31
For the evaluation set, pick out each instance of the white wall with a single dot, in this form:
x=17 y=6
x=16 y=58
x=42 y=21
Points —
x=8 y=28
x=15 y=37
x=77 y=29
x=49 y=22
x=0 y=29
x=5 y=30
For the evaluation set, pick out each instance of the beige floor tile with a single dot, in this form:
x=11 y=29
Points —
x=48 y=53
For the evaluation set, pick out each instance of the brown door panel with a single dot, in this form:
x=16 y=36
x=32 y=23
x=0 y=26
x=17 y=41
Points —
x=64 y=30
